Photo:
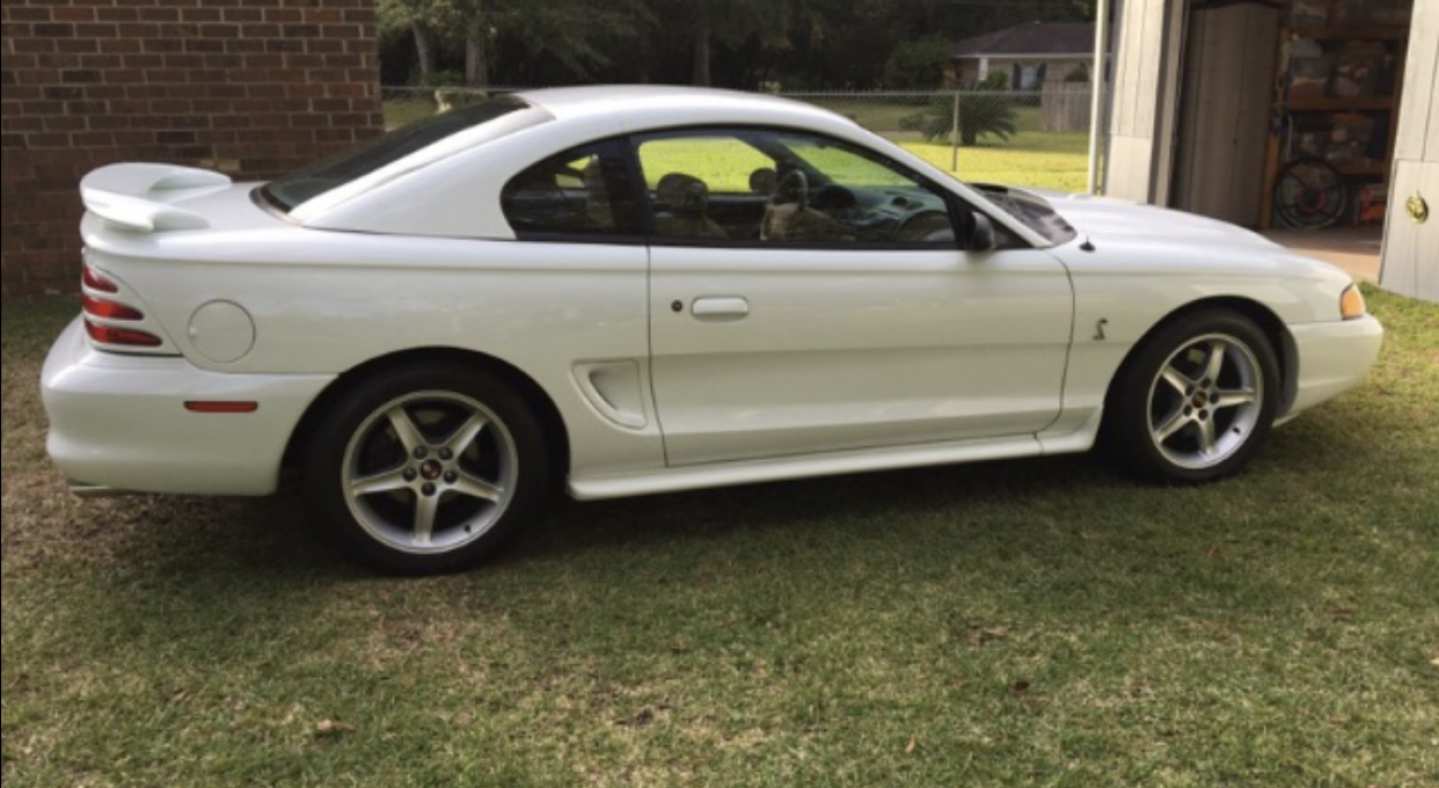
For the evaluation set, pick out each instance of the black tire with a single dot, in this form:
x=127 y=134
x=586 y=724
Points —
x=325 y=458
x=1127 y=424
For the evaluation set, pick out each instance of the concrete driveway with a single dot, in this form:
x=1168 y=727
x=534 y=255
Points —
x=1355 y=249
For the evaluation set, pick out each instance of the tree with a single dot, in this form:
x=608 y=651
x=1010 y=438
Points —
x=477 y=43
x=917 y=64
x=416 y=18
x=822 y=44
x=563 y=29
x=728 y=22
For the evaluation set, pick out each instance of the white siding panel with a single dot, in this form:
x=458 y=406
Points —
x=1419 y=111
x=1411 y=249
x=1140 y=63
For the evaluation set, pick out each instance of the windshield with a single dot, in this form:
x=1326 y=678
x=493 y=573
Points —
x=1030 y=209
x=318 y=178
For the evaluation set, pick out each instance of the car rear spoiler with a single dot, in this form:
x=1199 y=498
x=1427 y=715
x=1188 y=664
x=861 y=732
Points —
x=138 y=196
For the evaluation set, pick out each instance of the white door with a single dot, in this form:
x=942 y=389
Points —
x=1411 y=225
x=832 y=309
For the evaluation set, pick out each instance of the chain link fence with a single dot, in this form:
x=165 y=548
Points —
x=1023 y=138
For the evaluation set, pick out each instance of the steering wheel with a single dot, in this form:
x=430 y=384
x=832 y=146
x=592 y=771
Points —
x=794 y=180
x=923 y=226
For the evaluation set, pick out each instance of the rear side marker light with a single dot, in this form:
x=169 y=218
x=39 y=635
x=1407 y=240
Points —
x=111 y=335
x=100 y=307
x=96 y=281
x=221 y=406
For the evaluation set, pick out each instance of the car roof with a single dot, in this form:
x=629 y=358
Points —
x=557 y=119
x=675 y=102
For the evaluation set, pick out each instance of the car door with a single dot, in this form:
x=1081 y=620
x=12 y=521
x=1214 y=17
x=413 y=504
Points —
x=843 y=318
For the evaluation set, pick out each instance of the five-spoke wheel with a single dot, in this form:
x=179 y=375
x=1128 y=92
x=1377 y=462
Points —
x=1195 y=399
x=429 y=471
x=425 y=468
x=1205 y=400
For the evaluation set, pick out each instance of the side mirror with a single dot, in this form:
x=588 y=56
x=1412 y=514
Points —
x=981 y=234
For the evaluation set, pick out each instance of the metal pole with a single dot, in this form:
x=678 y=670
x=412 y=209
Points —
x=954 y=137
x=1096 y=97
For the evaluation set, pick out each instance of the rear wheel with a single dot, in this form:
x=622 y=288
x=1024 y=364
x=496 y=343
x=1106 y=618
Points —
x=427 y=468
x=1197 y=400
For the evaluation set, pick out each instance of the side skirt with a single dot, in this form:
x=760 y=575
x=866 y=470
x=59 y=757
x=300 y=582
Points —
x=588 y=488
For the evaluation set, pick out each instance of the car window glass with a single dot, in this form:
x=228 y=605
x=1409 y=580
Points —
x=845 y=166
x=772 y=187
x=303 y=184
x=584 y=191
x=722 y=162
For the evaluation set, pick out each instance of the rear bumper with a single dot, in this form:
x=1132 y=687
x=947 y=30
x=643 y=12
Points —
x=119 y=422
x=1333 y=358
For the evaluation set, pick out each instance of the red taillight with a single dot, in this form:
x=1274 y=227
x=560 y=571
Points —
x=97 y=281
x=111 y=310
x=221 y=406
x=99 y=307
x=111 y=335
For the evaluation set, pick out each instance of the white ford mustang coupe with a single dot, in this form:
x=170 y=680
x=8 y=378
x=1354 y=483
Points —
x=635 y=290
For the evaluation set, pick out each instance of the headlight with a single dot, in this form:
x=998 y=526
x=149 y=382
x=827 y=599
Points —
x=1351 y=303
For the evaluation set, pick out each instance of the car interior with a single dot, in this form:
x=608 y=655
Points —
x=808 y=190
x=794 y=201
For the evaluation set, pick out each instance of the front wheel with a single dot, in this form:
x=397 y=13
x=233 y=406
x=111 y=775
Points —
x=427 y=468
x=1197 y=400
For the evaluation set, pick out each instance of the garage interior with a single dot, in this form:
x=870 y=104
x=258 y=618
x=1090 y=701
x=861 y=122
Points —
x=1285 y=120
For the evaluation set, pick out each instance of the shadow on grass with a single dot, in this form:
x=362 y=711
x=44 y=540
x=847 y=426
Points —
x=1044 y=535
x=1072 y=514
x=273 y=538
x=849 y=503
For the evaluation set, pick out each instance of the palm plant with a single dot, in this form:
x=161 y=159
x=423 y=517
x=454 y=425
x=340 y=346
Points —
x=983 y=110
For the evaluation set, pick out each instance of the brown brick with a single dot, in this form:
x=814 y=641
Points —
x=56 y=30
x=77 y=45
x=19 y=13
x=72 y=14
x=257 y=87
x=118 y=14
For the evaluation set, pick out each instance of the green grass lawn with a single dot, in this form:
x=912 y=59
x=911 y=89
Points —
x=404 y=111
x=884 y=113
x=1030 y=158
x=1037 y=159
x=1043 y=621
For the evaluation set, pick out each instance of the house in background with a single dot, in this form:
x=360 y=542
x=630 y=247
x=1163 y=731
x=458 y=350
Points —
x=1032 y=55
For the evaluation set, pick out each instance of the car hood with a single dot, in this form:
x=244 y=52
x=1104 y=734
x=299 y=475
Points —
x=1130 y=236
x=1113 y=220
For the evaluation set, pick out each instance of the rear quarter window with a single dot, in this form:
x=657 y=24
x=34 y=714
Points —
x=583 y=192
x=327 y=174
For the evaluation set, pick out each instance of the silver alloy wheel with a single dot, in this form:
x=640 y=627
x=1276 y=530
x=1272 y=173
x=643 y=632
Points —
x=429 y=472
x=1205 y=401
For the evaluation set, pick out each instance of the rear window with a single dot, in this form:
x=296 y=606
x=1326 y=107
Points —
x=327 y=174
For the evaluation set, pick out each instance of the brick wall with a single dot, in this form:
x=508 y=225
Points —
x=248 y=87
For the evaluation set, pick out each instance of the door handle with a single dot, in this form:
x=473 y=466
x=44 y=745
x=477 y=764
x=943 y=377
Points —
x=719 y=308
